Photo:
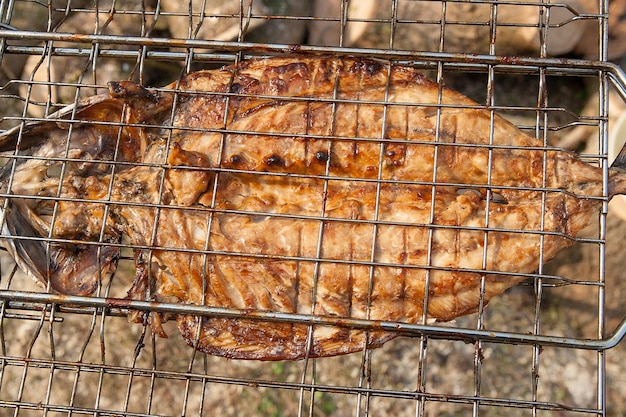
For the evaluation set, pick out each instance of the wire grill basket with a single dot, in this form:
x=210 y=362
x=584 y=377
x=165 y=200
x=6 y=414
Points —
x=549 y=346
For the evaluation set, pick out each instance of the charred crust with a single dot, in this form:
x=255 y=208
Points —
x=321 y=156
x=372 y=68
x=274 y=160
x=132 y=190
x=278 y=85
x=369 y=67
x=291 y=67
x=115 y=88
x=243 y=85
x=235 y=88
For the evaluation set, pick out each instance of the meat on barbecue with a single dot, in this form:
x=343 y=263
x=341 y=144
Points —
x=340 y=187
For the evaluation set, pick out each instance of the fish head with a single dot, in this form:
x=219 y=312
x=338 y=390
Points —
x=41 y=211
x=55 y=167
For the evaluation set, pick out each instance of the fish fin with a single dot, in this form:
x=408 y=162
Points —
x=29 y=254
x=150 y=103
x=142 y=289
x=79 y=269
x=29 y=134
x=620 y=160
x=143 y=104
x=74 y=270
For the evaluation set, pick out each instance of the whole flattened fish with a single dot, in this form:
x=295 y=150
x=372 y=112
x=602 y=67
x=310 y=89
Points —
x=328 y=186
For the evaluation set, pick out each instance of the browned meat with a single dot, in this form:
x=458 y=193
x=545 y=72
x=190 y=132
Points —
x=326 y=186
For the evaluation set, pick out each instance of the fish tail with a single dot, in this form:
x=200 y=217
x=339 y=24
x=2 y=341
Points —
x=617 y=174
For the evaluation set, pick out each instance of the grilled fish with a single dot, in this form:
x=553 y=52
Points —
x=339 y=187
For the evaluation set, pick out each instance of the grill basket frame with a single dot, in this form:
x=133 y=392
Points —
x=48 y=368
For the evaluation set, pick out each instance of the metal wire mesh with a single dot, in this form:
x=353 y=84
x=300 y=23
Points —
x=543 y=348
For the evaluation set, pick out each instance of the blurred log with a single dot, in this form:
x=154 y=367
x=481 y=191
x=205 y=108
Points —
x=328 y=32
x=56 y=78
x=588 y=46
x=224 y=20
x=34 y=17
x=220 y=20
x=466 y=26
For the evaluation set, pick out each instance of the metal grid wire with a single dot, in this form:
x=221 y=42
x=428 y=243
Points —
x=543 y=348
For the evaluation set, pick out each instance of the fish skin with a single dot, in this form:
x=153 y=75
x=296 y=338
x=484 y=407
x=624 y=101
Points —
x=266 y=186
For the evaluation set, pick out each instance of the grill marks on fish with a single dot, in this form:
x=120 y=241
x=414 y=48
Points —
x=300 y=186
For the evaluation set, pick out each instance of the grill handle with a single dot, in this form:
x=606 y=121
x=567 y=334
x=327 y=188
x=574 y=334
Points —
x=433 y=331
